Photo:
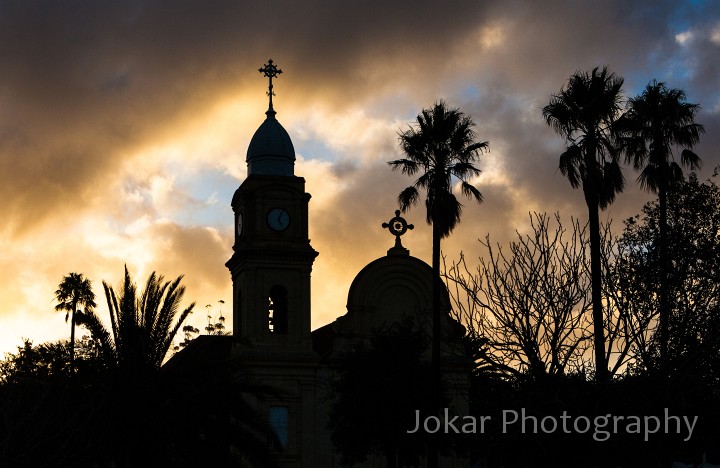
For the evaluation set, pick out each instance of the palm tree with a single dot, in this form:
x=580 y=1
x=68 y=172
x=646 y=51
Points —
x=583 y=113
x=656 y=121
x=74 y=290
x=143 y=326
x=442 y=147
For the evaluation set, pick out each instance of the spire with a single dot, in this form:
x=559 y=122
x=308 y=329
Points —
x=397 y=227
x=270 y=71
x=271 y=151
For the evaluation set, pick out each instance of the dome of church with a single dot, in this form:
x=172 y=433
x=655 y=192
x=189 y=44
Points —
x=271 y=151
x=393 y=283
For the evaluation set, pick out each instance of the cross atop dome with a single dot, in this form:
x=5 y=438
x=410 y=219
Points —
x=271 y=151
x=397 y=227
x=270 y=71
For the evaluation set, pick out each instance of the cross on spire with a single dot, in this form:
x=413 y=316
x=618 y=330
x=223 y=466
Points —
x=270 y=71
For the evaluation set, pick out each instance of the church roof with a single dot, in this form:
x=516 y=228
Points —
x=271 y=151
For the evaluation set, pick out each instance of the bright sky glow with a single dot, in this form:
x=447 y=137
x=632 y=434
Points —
x=124 y=127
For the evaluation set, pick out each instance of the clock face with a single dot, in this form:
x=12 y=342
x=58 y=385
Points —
x=239 y=226
x=278 y=219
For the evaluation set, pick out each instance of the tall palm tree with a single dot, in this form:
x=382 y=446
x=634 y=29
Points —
x=442 y=148
x=74 y=291
x=143 y=325
x=656 y=121
x=583 y=113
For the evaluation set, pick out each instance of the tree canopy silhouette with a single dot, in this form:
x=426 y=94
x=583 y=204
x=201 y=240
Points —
x=379 y=387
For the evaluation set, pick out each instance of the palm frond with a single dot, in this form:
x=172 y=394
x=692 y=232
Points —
x=649 y=178
x=91 y=321
x=407 y=198
x=690 y=160
x=559 y=116
x=463 y=170
x=144 y=326
x=113 y=308
x=570 y=162
x=405 y=166
x=613 y=182
x=470 y=191
x=479 y=147
x=445 y=212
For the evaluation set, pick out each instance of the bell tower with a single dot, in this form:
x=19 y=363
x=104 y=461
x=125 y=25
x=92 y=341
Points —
x=272 y=256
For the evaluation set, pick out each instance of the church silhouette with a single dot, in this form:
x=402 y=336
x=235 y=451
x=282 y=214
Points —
x=271 y=268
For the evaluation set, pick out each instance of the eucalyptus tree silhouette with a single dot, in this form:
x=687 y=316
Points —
x=442 y=147
x=583 y=113
x=74 y=290
x=656 y=121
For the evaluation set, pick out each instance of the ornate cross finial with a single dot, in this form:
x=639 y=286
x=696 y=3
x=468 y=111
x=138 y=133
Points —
x=270 y=71
x=397 y=227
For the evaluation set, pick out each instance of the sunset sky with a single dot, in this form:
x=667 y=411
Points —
x=124 y=127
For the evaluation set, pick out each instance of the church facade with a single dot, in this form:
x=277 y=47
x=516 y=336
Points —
x=271 y=269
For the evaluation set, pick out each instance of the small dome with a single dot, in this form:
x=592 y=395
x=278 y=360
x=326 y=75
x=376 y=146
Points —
x=385 y=277
x=271 y=151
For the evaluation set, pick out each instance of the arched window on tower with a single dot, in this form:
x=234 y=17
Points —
x=278 y=310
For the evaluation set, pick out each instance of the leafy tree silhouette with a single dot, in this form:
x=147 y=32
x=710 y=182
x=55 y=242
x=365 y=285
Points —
x=50 y=416
x=380 y=385
x=692 y=286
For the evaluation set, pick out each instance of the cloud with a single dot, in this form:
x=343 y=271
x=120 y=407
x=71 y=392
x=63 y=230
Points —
x=124 y=125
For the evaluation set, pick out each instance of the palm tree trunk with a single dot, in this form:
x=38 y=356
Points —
x=601 y=368
x=72 y=336
x=433 y=461
x=663 y=290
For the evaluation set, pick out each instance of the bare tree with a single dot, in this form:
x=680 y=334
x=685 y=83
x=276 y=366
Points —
x=529 y=307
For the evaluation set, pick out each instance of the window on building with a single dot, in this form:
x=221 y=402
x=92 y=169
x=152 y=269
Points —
x=278 y=310
x=279 y=423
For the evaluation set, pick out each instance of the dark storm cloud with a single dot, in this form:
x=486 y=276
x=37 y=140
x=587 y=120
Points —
x=86 y=82
x=545 y=44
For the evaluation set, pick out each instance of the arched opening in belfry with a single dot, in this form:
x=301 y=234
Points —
x=278 y=310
